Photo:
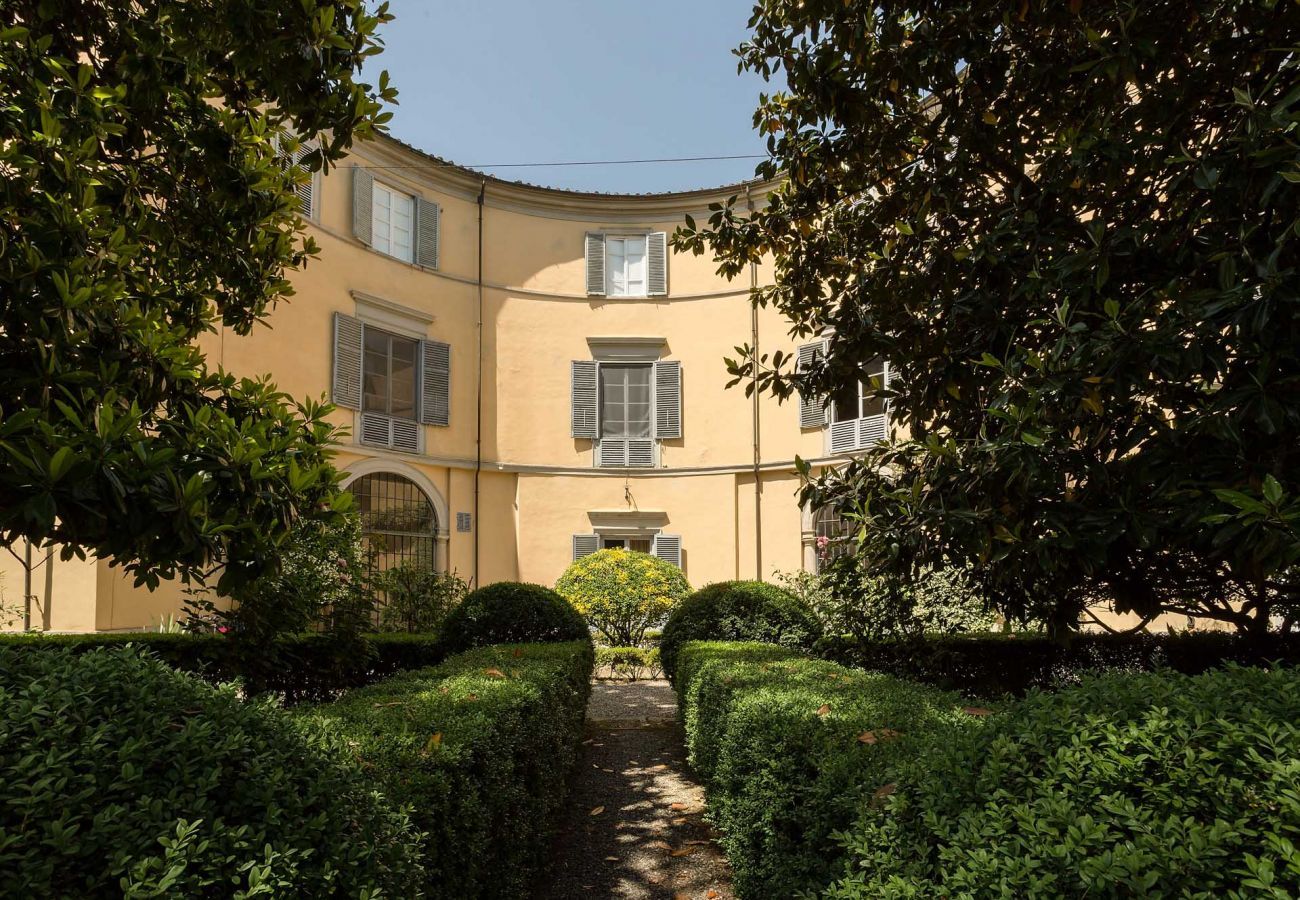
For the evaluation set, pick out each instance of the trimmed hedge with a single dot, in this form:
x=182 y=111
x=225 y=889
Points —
x=1159 y=785
x=121 y=776
x=511 y=612
x=991 y=665
x=791 y=749
x=309 y=667
x=480 y=749
x=738 y=611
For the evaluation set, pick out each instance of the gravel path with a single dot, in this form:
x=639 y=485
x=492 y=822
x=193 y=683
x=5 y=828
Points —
x=635 y=828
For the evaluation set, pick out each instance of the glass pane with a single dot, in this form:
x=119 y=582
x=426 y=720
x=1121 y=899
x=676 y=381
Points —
x=635 y=283
x=613 y=544
x=615 y=266
x=613 y=399
x=375 y=372
x=845 y=404
x=638 y=401
x=640 y=545
x=402 y=403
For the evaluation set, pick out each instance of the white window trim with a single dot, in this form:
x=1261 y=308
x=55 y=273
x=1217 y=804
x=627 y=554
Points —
x=862 y=425
x=644 y=238
x=393 y=191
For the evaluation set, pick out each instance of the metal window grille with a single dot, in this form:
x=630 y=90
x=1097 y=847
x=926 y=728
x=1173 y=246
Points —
x=834 y=536
x=398 y=522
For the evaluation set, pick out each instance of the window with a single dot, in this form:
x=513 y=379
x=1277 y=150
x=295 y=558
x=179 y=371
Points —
x=625 y=402
x=391 y=224
x=833 y=535
x=398 y=521
x=640 y=545
x=389 y=374
x=625 y=266
x=858 y=401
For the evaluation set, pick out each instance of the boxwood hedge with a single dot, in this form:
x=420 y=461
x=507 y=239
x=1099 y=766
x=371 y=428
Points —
x=791 y=748
x=479 y=748
x=1158 y=785
x=120 y=776
x=511 y=612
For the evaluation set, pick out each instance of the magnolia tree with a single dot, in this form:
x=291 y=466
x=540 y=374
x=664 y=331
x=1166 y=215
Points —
x=1073 y=230
x=144 y=201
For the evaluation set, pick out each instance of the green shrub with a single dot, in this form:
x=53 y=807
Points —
x=480 y=748
x=868 y=606
x=991 y=665
x=791 y=749
x=508 y=613
x=632 y=663
x=738 y=611
x=1158 y=785
x=311 y=666
x=121 y=776
x=418 y=599
x=623 y=593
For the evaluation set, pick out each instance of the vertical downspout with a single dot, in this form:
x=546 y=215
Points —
x=478 y=427
x=27 y=584
x=758 y=454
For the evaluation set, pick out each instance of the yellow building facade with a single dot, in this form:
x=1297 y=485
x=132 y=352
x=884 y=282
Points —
x=527 y=375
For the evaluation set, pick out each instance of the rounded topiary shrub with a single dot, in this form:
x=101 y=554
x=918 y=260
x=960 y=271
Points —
x=623 y=593
x=1152 y=785
x=121 y=776
x=510 y=612
x=738 y=611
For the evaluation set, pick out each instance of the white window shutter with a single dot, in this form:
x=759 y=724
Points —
x=812 y=411
x=435 y=383
x=668 y=399
x=305 y=190
x=585 y=545
x=656 y=245
x=428 y=227
x=347 y=361
x=584 y=410
x=363 y=200
x=595 y=264
x=668 y=547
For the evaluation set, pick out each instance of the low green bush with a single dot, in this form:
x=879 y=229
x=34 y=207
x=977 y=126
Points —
x=738 y=611
x=510 y=612
x=309 y=667
x=632 y=663
x=480 y=749
x=792 y=748
x=623 y=593
x=990 y=665
x=120 y=776
x=1160 y=785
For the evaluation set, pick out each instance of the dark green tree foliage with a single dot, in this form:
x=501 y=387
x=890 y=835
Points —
x=1072 y=229
x=143 y=202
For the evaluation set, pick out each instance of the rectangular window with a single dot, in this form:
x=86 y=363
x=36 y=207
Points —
x=625 y=406
x=389 y=374
x=625 y=266
x=858 y=401
x=391 y=224
x=641 y=545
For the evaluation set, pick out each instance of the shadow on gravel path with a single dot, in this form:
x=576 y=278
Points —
x=635 y=827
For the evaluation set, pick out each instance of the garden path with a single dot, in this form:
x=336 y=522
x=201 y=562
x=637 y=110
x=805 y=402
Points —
x=635 y=828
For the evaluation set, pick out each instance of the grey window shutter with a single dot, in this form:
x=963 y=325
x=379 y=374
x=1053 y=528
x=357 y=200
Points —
x=347 y=361
x=435 y=383
x=668 y=547
x=363 y=199
x=668 y=399
x=656 y=246
x=585 y=415
x=428 y=225
x=585 y=545
x=595 y=264
x=812 y=411
x=306 y=190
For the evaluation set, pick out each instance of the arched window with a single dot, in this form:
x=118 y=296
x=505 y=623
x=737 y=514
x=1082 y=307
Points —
x=397 y=519
x=834 y=536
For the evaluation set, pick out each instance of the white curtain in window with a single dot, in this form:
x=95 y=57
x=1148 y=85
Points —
x=391 y=227
x=625 y=401
x=625 y=266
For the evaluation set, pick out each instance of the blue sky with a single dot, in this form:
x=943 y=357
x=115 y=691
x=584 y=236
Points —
x=506 y=81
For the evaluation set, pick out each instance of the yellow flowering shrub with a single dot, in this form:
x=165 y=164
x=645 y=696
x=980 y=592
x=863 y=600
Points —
x=622 y=593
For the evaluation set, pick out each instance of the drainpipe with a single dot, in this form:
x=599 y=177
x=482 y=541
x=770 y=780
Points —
x=27 y=584
x=478 y=427
x=758 y=455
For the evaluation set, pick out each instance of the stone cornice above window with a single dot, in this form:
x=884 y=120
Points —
x=627 y=521
x=393 y=316
x=627 y=349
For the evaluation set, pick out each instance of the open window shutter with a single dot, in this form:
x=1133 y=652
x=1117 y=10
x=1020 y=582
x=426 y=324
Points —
x=585 y=545
x=668 y=547
x=582 y=399
x=595 y=265
x=428 y=225
x=668 y=399
x=363 y=198
x=435 y=383
x=656 y=246
x=307 y=189
x=347 y=361
x=812 y=412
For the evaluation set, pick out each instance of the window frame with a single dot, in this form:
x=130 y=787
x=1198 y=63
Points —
x=601 y=418
x=644 y=239
x=416 y=374
x=387 y=246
